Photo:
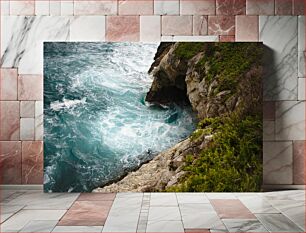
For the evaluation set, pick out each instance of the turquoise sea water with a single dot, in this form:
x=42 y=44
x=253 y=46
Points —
x=97 y=124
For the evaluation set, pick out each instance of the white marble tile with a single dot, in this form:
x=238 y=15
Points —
x=192 y=198
x=150 y=28
x=258 y=205
x=5 y=7
x=87 y=28
x=23 y=217
x=196 y=38
x=268 y=130
x=22 y=7
x=75 y=229
x=164 y=213
x=55 y=7
x=221 y=195
x=166 y=7
x=301 y=89
x=22 y=40
x=277 y=162
x=39 y=226
x=66 y=7
x=106 y=7
x=163 y=199
x=277 y=223
x=165 y=226
x=293 y=195
x=167 y=38
x=301 y=46
x=42 y=7
x=290 y=120
x=39 y=120
x=240 y=225
x=8 y=210
x=27 y=129
x=27 y=108
x=279 y=34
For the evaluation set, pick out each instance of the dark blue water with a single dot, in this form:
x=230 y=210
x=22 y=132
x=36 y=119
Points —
x=97 y=124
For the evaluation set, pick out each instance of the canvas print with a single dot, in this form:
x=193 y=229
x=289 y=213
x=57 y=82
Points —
x=167 y=117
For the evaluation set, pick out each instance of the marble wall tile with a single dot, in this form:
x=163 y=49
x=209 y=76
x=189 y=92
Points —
x=268 y=130
x=230 y=7
x=22 y=40
x=150 y=28
x=122 y=28
x=176 y=25
x=283 y=7
x=200 y=25
x=27 y=132
x=10 y=162
x=27 y=109
x=277 y=163
x=247 y=28
x=42 y=7
x=269 y=110
x=87 y=28
x=66 y=7
x=5 y=7
x=203 y=7
x=299 y=162
x=39 y=124
x=95 y=7
x=301 y=46
x=135 y=7
x=22 y=7
x=55 y=8
x=196 y=38
x=166 y=7
x=279 y=34
x=298 y=7
x=8 y=84
x=227 y=38
x=260 y=7
x=301 y=89
x=30 y=87
x=32 y=162
x=290 y=120
x=9 y=120
x=221 y=25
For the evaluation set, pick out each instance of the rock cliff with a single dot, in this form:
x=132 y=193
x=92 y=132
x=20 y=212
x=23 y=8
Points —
x=222 y=83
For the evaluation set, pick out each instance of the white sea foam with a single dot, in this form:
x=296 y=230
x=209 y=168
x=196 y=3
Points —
x=57 y=105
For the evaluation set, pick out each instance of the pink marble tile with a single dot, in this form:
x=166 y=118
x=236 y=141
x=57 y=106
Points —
x=200 y=25
x=299 y=162
x=32 y=162
x=97 y=197
x=105 y=7
x=176 y=25
x=86 y=213
x=260 y=7
x=27 y=108
x=30 y=87
x=221 y=25
x=136 y=7
x=10 y=162
x=122 y=28
x=227 y=38
x=22 y=7
x=195 y=7
x=283 y=7
x=8 y=84
x=230 y=7
x=269 y=110
x=247 y=28
x=9 y=120
x=299 y=7
x=231 y=209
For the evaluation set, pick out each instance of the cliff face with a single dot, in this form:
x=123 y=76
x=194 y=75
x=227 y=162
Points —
x=222 y=83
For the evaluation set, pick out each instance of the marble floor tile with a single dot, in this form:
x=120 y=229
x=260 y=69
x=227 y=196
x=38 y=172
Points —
x=220 y=195
x=169 y=213
x=75 y=229
x=258 y=205
x=191 y=198
x=6 y=193
x=165 y=226
x=8 y=210
x=297 y=195
x=278 y=223
x=237 y=225
x=96 y=197
x=163 y=199
x=39 y=226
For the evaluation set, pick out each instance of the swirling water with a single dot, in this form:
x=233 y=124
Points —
x=97 y=124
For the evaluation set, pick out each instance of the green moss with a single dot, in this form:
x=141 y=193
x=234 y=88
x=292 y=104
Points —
x=187 y=50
